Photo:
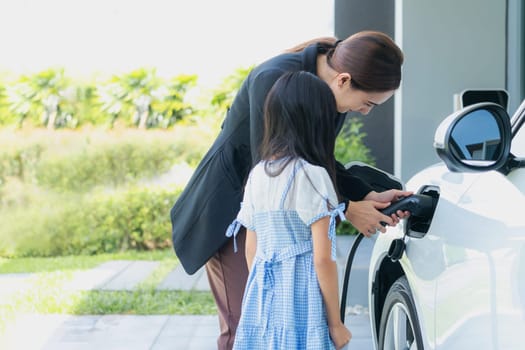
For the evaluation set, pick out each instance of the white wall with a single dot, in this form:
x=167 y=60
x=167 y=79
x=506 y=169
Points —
x=449 y=46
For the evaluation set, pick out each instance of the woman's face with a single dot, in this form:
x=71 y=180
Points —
x=353 y=100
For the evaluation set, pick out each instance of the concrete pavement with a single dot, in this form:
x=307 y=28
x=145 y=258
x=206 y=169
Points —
x=156 y=332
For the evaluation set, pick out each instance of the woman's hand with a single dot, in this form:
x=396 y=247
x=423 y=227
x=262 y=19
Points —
x=340 y=335
x=366 y=217
x=391 y=196
x=387 y=196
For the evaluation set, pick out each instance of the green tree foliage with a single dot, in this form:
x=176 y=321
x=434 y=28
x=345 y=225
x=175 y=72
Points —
x=168 y=104
x=21 y=103
x=43 y=98
x=49 y=87
x=224 y=94
x=80 y=107
x=6 y=117
x=131 y=94
x=139 y=98
x=146 y=99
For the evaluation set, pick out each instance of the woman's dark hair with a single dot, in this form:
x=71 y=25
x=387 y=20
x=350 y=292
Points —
x=372 y=58
x=298 y=122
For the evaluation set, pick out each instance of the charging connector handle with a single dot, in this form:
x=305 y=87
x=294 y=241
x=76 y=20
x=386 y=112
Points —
x=416 y=204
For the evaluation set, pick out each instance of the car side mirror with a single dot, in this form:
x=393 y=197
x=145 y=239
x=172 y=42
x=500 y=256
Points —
x=475 y=138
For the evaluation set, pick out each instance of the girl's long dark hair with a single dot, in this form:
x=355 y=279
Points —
x=299 y=114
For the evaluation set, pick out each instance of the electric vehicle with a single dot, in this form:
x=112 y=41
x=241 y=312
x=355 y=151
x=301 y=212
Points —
x=452 y=276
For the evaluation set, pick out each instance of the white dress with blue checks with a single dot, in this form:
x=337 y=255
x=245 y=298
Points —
x=283 y=306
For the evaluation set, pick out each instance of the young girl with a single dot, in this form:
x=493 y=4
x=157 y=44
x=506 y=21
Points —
x=289 y=209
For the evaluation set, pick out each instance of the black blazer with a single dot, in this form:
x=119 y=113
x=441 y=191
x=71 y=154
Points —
x=211 y=200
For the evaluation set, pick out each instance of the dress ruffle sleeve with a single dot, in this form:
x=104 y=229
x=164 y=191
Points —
x=244 y=217
x=316 y=199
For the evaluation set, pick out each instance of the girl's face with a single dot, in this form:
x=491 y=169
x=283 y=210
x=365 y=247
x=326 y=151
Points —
x=353 y=100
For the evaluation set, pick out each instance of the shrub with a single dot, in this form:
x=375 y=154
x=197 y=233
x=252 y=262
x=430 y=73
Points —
x=349 y=147
x=20 y=161
x=108 y=164
x=78 y=161
x=73 y=192
x=130 y=218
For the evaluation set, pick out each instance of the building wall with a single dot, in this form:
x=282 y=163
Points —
x=449 y=46
x=352 y=16
x=516 y=53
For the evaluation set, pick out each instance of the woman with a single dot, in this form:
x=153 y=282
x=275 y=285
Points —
x=362 y=71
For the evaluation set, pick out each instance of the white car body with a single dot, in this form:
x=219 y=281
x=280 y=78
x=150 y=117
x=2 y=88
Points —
x=466 y=275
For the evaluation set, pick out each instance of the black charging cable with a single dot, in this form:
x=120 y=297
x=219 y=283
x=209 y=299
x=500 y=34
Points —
x=346 y=276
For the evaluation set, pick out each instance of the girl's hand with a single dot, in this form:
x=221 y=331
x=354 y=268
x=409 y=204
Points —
x=340 y=335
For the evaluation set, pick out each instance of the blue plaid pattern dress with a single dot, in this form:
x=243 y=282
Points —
x=283 y=306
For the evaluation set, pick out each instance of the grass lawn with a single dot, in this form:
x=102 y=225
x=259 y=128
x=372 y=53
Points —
x=44 y=292
x=63 y=263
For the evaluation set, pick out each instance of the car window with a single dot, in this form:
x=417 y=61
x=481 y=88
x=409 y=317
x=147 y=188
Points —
x=518 y=143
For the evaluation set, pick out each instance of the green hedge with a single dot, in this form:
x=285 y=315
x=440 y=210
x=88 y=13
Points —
x=113 y=165
x=90 y=191
x=133 y=218
x=20 y=161
x=79 y=161
x=349 y=147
